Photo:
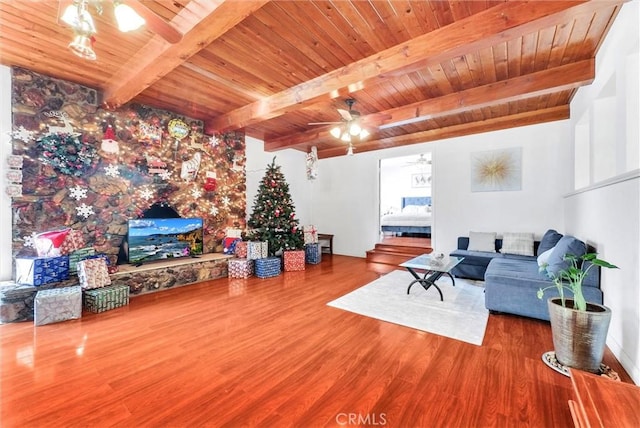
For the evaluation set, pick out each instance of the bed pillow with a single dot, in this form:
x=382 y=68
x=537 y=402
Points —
x=411 y=209
x=566 y=245
x=548 y=241
x=482 y=241
x=517 y=243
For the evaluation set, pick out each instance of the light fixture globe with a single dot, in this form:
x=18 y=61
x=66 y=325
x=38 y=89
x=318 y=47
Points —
x=354 y=129
x=335 y=132
x=81 y=45
x=127 y=18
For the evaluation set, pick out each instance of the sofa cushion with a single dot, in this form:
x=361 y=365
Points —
x=548 y=241
x=482 y=241
x=543 y=258
x=517 y=243
x=566 y=245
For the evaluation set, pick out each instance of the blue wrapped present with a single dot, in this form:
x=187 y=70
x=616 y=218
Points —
x=267 y=267
x=41 y=270
x=313 y=253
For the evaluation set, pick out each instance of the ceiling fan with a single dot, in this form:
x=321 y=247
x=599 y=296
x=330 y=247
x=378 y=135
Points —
x=76 y=13
x=420 y=162
x=349 y=125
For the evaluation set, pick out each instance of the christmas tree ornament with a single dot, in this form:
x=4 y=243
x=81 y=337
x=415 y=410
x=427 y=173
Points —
x=189 y=169
x=312 y=163
x=112 y=170
x=210 y=183
x=23 y=134
x=85 y=211
x=109 y=143
x=78 y=193
x=179 y=130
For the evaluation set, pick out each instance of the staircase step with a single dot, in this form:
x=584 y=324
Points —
x=394 y=254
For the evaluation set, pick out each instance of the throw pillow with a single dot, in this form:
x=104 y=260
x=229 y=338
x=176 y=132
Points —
x=543 y=259
x=482 y=241
x=517 y=243
x=566 y=245
x=548 y=241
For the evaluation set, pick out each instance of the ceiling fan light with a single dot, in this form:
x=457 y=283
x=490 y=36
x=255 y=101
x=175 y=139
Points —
x=127 y=18
x=364 y=134
x=346 y=137
x=335 y=132
x=354 y=129
x=81 y=45
x=78 y=17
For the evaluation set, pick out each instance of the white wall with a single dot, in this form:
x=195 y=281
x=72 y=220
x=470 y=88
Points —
x=293 y=166
x=605 y=208
x=345 y=200
x=6 y=262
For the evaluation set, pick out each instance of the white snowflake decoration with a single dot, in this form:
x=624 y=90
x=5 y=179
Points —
x=84 y=210
x=213 y=210
x=23 y=134
x=225 y=201
x=213 y=141
x=112 y=170
x=78 y=193
x=166 y=175
x=196 y=193
x=146 y=193
x=30 y=240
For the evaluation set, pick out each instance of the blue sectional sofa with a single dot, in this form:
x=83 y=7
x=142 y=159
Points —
x=511 y=281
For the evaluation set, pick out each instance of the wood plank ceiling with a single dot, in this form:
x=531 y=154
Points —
x=418 y=70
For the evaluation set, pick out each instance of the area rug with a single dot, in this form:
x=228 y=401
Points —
x=461 y=316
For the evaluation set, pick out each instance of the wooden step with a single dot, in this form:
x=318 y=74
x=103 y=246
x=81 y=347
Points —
x=394 y=254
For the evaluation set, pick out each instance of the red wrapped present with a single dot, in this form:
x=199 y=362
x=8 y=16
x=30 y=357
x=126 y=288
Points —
x=72 y=242
x=48 y=244
x=293 y=260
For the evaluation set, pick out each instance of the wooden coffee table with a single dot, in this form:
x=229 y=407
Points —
x=431 y=269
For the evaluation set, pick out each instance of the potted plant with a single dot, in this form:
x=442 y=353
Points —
x=579 y=328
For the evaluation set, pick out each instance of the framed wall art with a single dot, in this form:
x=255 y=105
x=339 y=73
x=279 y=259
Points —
x=496 y=170
x=420 y=180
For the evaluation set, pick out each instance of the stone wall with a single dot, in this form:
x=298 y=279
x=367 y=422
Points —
x=90 y=169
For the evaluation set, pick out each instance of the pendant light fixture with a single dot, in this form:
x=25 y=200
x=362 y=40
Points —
x=78 y=17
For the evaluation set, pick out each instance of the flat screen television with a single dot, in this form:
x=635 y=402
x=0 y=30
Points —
x=164 y=238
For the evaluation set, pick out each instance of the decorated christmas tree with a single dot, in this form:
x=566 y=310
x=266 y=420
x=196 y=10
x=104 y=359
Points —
x=273 y=218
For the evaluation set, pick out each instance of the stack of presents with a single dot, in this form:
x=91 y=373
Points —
x=41 y=287
x=252 y=257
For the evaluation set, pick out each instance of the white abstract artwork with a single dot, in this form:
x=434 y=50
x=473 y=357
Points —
x=496 y=170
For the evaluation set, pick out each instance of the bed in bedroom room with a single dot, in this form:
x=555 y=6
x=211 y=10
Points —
x=414 y=217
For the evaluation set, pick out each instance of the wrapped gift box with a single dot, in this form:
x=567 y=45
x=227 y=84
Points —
x=229 y=245
x=93 y=273
x=57 y=304
x=267 y=267
x=257 y=250
x=240 y=268
x=294 y=260
x=78 y=255
x=41 y=270
x=106 y=298
x=310 y=234
x=313 y=253
x=72 y=242
x=241 y=249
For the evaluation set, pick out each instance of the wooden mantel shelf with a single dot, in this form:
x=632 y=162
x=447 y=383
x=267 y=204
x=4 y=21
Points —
x=602 y=402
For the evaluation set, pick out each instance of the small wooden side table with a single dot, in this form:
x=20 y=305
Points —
x=326 y=242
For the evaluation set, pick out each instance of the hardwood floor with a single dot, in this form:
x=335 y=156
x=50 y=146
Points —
x=269 y=352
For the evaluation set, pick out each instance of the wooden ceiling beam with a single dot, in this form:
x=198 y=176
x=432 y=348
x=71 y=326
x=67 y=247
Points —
x=565 y=77
x=200 y=22
x=506 y=21
x=521 y=119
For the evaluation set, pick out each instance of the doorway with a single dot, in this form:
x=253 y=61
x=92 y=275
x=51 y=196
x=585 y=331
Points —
x=406 y=198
